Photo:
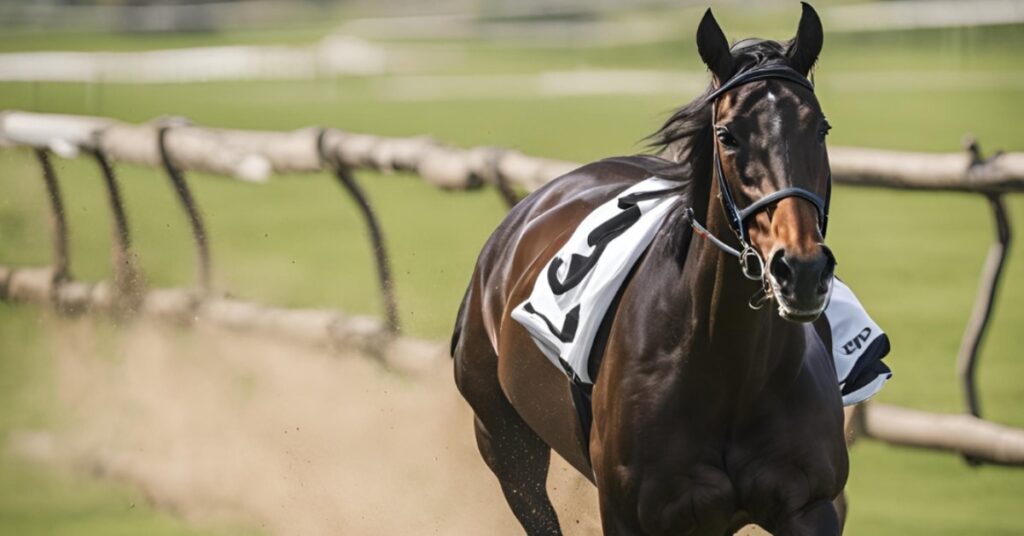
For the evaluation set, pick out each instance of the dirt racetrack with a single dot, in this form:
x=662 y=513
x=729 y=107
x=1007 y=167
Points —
x=220 y=427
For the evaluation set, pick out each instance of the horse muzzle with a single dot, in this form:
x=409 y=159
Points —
x=801 y=284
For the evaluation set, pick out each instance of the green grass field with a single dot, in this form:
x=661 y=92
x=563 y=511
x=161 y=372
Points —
x=912 y=258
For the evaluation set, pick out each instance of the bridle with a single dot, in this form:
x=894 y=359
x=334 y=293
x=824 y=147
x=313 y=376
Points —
x=751 y=263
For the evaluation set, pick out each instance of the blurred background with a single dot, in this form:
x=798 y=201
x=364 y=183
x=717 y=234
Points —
x=93 y=418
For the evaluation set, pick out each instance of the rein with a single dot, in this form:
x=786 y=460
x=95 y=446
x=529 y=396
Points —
x=751 y=262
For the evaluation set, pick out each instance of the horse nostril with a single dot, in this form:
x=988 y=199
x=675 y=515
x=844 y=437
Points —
x=828 y=272
x=826 y=280
x=781 y=270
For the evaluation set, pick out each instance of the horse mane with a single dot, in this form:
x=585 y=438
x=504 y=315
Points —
x=686 y=137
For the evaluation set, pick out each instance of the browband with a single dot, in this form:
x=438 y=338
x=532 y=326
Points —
x=779 y=72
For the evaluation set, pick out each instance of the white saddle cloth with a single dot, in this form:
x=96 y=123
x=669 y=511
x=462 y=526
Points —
x=574 y=291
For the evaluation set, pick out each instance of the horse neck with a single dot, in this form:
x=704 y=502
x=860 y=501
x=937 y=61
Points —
x=750 y=341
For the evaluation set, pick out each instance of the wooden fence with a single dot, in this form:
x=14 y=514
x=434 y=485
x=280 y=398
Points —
x=176 y=146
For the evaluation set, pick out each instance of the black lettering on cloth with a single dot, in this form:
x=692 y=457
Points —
x=568 y=331
x=599 y=238
x=855 y=343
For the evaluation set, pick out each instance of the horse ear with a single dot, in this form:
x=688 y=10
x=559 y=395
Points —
x=714 y=48
x=803 y=50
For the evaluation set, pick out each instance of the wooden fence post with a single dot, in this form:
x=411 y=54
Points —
x=61 y=257
x=195 y=217
x=127 y=277
x=347 y=181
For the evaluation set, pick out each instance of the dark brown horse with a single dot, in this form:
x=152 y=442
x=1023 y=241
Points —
x=707 y=413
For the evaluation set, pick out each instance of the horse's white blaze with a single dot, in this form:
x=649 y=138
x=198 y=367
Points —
x=776 y=116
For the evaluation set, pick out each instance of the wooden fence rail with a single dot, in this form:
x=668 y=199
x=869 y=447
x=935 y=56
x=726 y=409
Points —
x=176 y=146
x=964 y=434
x=253 y=155
x=316 y=327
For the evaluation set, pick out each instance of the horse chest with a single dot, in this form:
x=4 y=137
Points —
x=690 y=460
x=708 y=490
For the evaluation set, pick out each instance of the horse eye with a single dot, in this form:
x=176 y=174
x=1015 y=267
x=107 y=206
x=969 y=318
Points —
x=726 y=137
x=823 y=131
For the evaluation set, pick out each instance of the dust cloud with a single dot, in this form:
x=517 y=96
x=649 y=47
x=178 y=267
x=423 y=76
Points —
x=224 y=428
x=240 y=430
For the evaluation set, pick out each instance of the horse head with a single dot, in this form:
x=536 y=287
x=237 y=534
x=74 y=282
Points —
x=770 y=160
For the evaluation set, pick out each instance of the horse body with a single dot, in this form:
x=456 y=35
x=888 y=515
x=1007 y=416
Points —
x=738 y=406
x=707 y=413
x=723 y=447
